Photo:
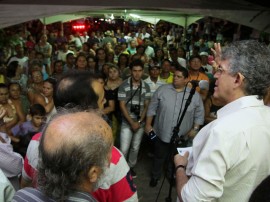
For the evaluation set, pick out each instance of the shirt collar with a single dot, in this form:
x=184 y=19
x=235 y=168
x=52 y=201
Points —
x=240 y=103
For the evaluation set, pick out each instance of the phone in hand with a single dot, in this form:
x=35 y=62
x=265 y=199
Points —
x=152 y=135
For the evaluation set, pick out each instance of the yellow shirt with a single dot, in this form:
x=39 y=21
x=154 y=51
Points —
x=169 y=79
x=2 y=79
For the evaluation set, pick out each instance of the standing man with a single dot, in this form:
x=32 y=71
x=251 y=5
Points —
x=165 y=105
x=75 y=150
x=195 y=64
x=134 y=96
x=153 y=80
x=230 y=155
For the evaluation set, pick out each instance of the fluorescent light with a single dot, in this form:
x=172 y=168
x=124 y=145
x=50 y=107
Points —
x=135 y=15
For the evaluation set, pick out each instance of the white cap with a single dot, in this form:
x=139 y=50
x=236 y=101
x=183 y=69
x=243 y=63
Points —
x=204 y=54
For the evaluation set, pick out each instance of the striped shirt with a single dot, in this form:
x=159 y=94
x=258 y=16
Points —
x=139 y=96
x=34 y=195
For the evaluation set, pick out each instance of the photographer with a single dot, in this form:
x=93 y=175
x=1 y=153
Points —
x=133 y=95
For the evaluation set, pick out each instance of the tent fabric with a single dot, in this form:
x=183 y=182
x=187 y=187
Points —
x=244 y=12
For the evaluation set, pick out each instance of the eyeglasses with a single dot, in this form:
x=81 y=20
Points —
x=220 y=70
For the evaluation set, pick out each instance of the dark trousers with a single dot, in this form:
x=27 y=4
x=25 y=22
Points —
x=161 y=155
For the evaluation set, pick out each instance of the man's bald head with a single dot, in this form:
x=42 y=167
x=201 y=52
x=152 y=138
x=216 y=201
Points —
x=72 y=144
x=74 y=128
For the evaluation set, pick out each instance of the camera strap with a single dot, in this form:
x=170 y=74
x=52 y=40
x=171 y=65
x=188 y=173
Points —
x=132 y=95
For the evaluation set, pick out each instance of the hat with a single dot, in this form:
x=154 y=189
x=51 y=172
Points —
x=204 y=54
x=107 y=33
x=152 y=66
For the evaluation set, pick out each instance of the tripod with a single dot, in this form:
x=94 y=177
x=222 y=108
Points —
x=176 y=140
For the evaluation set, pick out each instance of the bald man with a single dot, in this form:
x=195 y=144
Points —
x=75 y=149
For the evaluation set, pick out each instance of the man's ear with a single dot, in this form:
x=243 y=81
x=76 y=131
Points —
x=93 y=174
x=239 y=79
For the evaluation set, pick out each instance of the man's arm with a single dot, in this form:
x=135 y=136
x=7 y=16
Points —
x=148 y=124
x=151 y=112
x=198 y=116
x=10 y=162
x=134 y=125
x=180 y=173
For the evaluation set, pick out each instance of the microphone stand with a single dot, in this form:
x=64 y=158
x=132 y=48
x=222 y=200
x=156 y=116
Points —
x=175 y=140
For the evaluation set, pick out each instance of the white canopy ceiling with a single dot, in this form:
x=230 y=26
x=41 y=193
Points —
x=181 y=12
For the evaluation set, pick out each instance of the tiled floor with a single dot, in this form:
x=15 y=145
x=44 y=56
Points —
x=145 y=192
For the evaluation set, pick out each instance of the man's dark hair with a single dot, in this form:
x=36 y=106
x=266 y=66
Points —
x=37 y=110
x=136 y=63
x=183 y=70
x=74 y=89
x=14 y=83
x=140 y=46
x=172 y=49
x=165 y=60
x=11 y=69
x=58 y=61
x=194 y=56
x=2 y=85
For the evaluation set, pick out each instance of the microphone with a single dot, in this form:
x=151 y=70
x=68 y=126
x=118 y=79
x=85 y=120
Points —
x=203 y=84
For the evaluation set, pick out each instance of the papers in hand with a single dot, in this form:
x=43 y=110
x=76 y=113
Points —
x=183 y=150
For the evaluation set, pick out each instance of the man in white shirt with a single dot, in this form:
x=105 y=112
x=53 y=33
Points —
x=230 y=155
x=149 y=51
x=145 y=35
x=84 y=37
x=208 y=69
x=20 y=57
x=153 y=80
x=62 y=54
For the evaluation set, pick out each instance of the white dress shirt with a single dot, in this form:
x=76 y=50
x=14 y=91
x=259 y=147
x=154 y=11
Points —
x=231 y=154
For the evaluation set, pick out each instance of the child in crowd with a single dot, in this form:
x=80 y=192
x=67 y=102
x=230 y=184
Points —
x=35 y=125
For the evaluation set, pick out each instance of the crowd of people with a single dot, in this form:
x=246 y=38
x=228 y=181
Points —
x=139 y=83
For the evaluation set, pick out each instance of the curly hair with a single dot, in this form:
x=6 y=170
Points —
x=252 y=59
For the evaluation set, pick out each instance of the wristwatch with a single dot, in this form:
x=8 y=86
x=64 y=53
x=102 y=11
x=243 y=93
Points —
x=180 y=166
